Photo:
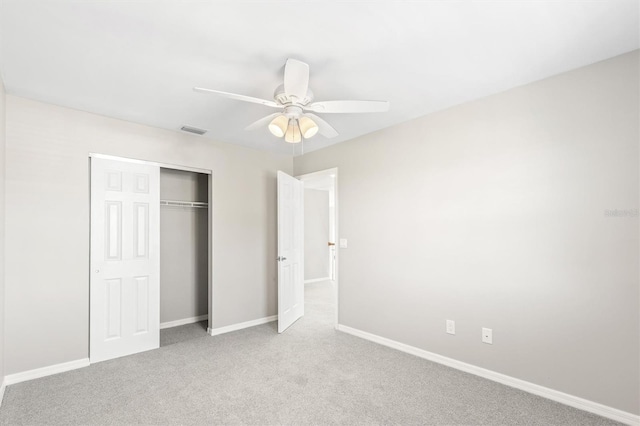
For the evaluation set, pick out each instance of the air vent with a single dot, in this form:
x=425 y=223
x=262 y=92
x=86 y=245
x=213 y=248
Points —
x=193 y=130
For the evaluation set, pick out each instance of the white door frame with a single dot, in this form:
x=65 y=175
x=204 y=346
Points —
x=210 y=224
x=322 y=173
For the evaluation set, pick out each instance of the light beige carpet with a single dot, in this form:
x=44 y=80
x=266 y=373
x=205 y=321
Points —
x=311 y=374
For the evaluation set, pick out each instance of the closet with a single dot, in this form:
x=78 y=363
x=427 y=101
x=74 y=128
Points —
x=184 y=221
x=150 y=240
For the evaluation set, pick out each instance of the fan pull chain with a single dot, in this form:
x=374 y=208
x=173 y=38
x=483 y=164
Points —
x=301 y=137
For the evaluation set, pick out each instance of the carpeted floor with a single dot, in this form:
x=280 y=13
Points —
x=311 y=374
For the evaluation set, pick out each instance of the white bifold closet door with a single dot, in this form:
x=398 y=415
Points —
x=290 y=250
x=125 y=258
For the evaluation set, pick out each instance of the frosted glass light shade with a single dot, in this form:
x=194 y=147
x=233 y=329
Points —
x=293 y=134
x=308 y=127
x=278 y=126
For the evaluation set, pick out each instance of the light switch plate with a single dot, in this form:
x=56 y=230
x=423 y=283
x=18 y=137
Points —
x=343 y=243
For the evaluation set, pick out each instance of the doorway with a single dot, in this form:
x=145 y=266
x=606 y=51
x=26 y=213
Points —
x=184 y=214
x=151 y=242
x=320 y=237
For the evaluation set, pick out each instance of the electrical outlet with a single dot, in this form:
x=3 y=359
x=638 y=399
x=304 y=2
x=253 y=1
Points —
x=487 y=335
x=451 y=327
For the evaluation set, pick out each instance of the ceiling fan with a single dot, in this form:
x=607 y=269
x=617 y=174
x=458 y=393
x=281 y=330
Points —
x=296 y=120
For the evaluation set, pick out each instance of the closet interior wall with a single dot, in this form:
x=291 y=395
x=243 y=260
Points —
x=183 y=246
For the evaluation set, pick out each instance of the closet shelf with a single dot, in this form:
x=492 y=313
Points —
x=192 y=204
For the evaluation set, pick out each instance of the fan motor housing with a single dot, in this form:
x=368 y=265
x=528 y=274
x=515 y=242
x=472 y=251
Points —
x=282 y=98
x=292 y=111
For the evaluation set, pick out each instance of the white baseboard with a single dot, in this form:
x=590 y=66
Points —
x=317 y=280
x=3 y=386
x=184 y=321
x=241 y=325
x=554 y=395
x=12 y=379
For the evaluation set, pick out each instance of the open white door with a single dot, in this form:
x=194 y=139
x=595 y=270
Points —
x=125 y=258
x=290 y=250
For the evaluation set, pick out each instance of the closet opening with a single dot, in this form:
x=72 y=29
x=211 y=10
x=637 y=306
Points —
x=184 y=255
x=151 y=262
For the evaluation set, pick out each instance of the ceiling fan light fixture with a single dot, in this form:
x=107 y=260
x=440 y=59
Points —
x=293 y=134
x=278 y=126
x=295 y=121
x=308 y=127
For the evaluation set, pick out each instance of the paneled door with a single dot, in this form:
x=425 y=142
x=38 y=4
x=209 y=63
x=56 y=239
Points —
x=125 y=258
x=290 y=250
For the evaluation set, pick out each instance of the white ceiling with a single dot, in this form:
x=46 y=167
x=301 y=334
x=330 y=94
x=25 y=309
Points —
x=138 y=60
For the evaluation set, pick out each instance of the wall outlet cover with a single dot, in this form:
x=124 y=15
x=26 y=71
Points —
x=487 y=335
x=451 y=327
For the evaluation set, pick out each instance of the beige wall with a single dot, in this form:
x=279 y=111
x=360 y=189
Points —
x=316 y=234
x=492 y=214
x=2 y=225
x=47 y=290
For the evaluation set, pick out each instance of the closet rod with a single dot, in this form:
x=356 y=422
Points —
x=174 y=203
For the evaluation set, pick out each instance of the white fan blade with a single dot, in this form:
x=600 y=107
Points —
x=262 y=122
x=349 y=106
x=324 y=128
x=238 y=97
x=296 y=78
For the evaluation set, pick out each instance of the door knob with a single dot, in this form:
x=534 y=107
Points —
x=97 y=271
